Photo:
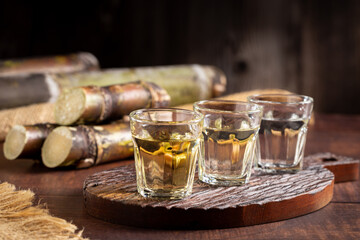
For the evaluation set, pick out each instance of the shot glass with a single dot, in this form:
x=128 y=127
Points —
x=166 y=149
x=228 y=142
x=282 y=134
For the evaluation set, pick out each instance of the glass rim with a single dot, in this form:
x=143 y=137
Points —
x=304 y=99
x=258 y=109
x=198 y=117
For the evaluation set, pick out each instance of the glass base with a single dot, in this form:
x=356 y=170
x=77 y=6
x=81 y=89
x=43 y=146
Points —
x=223 y=181
x=278 y=168
x=164 y=194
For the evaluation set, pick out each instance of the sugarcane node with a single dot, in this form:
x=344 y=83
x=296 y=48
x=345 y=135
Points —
x=26 y=141
x=113 y=142
x=88 y=135
x=84 y=146
x=107 y=110
x=92 y=104
x=160 y=98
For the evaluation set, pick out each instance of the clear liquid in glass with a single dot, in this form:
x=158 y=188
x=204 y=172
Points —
x=227 y=156
x=282 y=144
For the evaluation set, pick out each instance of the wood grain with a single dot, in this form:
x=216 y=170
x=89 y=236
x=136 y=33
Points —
x=61 y=191
x=112 y=195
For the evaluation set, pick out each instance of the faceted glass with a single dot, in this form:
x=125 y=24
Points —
x=228 y=141
x=166 y=148
x=283 y=130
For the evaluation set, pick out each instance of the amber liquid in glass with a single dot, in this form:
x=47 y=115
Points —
x=165 y=168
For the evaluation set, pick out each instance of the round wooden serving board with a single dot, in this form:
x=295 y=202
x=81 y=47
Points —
x=112 y=196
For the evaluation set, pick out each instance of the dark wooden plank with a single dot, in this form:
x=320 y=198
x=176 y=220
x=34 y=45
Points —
x=347 y=192
x=336 y=123
x=335 y=221
x=341 y=143
x=61 y=191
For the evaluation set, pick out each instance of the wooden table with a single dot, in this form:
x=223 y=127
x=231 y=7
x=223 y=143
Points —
x=61 y=190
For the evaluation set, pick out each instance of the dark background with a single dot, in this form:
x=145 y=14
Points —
x=308 y=47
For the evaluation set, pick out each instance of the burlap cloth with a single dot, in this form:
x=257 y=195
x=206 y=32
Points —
x=37 y=113
x=44 y=113
x=20 y=219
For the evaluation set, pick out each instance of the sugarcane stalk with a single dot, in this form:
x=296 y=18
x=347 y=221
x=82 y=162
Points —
x=184 y=83
x=94 y=104
x=49 y=64
x=23 y=90
x=26 y=141
x=85 y=146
